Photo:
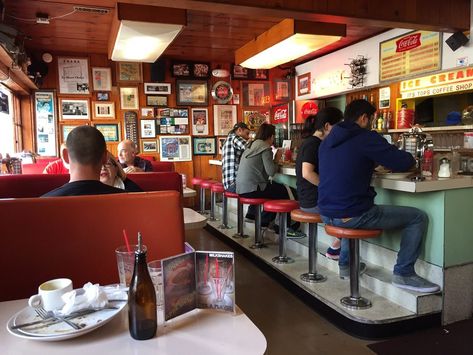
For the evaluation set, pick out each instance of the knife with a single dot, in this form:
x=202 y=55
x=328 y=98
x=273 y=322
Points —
x=53 y=320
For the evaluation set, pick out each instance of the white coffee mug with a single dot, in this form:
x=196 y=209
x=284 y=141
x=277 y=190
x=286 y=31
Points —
x=50 y=294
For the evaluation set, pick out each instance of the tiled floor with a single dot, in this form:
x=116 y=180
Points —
x=290 y=326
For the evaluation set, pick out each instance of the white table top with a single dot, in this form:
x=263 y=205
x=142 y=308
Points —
x=193 y=219
x=187 y=192
x=197 y=332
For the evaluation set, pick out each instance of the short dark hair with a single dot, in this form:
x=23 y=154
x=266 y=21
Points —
x=86 y=145
x=265 y=131
x=331 y=115
x=237 y=125
x=358 y=108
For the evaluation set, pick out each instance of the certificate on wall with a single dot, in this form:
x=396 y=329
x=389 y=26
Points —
x=73 y=75
x=46 y=118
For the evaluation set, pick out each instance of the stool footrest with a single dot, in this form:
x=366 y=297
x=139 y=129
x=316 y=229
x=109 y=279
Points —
x=282 y=260
x=355 y=302
x=313 y=278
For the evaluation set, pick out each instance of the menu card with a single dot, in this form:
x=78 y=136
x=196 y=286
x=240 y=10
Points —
x=201 y=279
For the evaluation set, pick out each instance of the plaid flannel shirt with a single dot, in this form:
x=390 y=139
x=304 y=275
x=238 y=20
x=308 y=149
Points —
x=231 y=153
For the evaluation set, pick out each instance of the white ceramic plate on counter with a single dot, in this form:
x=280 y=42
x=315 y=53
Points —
x=395 y=176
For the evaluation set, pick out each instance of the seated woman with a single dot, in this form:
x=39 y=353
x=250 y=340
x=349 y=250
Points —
x=112 y=174
x=316 y=128
x=256 y=167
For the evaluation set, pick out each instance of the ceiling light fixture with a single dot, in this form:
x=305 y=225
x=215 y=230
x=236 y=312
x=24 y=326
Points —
x=141 y=33
x=286 y=41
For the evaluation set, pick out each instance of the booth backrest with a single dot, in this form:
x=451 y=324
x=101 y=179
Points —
x=35 y=185
x=30 y=185
x=159 y=166
x=76 y=237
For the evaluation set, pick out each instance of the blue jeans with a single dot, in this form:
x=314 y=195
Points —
x=412 y=221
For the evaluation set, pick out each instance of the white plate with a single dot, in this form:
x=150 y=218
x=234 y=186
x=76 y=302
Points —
x=395 y=176
x=61 y=330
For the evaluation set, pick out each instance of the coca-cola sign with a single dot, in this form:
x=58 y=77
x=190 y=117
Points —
x=308 y=109
x=408 y=42
x=281 y=114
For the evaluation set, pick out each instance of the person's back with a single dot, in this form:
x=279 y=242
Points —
x=56 y=167
x=232 y=150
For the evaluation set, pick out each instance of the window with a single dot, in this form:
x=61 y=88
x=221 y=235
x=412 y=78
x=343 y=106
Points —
x=7 y=137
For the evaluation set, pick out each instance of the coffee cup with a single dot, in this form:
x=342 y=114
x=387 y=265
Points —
x=50 y=294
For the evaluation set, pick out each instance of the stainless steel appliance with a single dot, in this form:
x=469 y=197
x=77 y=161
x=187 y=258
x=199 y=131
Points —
x=417 y=143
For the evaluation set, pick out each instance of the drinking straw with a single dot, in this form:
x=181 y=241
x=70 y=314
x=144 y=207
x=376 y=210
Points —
x=127 y=243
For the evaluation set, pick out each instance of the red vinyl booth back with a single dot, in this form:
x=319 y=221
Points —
x=159 y=166
x=157 y=181
x=76 y=237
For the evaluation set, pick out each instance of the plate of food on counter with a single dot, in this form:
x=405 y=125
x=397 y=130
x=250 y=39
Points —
x=384 y=173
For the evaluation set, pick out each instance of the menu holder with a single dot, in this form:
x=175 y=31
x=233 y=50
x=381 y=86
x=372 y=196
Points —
x=199 y=279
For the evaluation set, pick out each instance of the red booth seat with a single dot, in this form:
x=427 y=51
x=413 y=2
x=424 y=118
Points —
x=76 y=237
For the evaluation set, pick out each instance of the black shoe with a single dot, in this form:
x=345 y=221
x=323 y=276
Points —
x=250 y=217
x=295 y=226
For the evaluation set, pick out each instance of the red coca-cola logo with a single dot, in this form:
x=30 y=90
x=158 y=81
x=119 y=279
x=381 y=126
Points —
x=308 y=109
x=281 y=114
x=408 y=42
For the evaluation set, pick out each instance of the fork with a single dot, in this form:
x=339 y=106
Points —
x=50 y=314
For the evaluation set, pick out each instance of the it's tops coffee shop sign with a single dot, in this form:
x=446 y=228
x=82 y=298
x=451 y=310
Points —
x=438 y=84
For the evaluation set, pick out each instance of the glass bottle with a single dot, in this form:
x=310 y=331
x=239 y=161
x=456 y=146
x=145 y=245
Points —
x=142 y=312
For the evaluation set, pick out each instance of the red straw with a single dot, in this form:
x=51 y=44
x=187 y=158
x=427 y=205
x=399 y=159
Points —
x=127 y=243
x=216 y=268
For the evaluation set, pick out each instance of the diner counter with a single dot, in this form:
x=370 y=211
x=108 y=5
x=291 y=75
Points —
x=199 y=332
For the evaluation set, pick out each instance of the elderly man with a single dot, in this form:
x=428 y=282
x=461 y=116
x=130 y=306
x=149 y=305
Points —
x=85 y=152
x=128 y=159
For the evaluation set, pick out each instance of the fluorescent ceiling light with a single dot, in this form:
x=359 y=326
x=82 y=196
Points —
x=142 y=33
x=288 y=40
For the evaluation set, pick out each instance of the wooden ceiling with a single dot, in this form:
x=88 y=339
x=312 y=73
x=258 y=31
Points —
x=215 y=28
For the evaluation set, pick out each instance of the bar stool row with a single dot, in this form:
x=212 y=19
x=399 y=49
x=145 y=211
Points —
x=284 y=207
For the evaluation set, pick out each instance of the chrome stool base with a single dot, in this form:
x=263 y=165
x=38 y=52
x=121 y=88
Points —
x=223 y=226
x=355 y=302
x=239 y=235
x=282 y=260
x=313 y=278
x=258 y=246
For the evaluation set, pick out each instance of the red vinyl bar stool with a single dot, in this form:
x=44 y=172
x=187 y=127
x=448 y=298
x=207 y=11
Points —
x=225 y=225
x=258 y=202
x=216 y=188
x=312 y=219
x=354 y=301
x=206 y=184
x=283 y=207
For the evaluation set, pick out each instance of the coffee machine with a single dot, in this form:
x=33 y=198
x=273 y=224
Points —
x=417 y=143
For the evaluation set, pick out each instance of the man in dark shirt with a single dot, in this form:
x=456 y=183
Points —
x=128 y=159
x=85 y=152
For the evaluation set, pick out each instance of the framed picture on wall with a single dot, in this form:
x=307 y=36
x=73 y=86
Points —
x=148 y=128
x=175 y=148
x=129 y=98
x=45 y=122
x=72 y=109
x=104 y=110
x=200 y=121
x=221 y=142
x=109 y=131
x=65 y=129
x=192 y=92
x=102 y=79
x=157 y=88
x=256 y=94
x=204 y=145
x=282 y=90
x=129 y=72
x=303 y=84
x=155 y=100
x=149 y=146
x=73 y=75
x=103 y=96
x=255 y=118
x=225 y=117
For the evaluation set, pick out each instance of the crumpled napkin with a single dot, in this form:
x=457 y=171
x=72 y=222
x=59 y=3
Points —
x=90 y=296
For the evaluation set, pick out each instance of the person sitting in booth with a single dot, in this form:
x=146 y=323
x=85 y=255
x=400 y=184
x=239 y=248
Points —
x=85 y=152
x=112 y=174
x=58 y=166
x=347 y=158
x=130 y=162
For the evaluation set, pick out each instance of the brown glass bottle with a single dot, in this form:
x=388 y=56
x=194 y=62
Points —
x=142 y=311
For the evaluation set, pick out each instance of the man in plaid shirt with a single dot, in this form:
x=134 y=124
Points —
x=232 y=150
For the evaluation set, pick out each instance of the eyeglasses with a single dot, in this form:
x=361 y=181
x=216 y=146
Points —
x=110 y=163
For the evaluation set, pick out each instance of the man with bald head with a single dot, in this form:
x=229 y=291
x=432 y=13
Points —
x=85 y=152
x=129 y=161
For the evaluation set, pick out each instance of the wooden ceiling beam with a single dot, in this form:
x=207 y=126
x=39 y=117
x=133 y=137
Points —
x=433 y=15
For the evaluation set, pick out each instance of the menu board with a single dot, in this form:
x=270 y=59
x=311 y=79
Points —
x=414 y=53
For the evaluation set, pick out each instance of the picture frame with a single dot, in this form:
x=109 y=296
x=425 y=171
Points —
x=148 y=128
x=67 y=128
x=101 y=79
x=129 y=98
x=149 y=146
x=221 y=142
x=225 y=117
x=256 y=94
x=74 y=109
x=200 y=121
x=201 y=70
x=157 y=88
x=282 y=89
x=129 y=72
x=103 y=96
x=260 y=74
x=175 y=148
x=255 y=118
x=110 y=131
x=239 y=72
x=303 y=84
x=181 y=70
x=104 y=109
x=156 y=100
x=192 y=93
x=190 y=70
x=204 y=145
x=45 y=122
x=147 y=112
x=73 y=75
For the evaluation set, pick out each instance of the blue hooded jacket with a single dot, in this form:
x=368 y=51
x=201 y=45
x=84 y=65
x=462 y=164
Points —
x=347 y=158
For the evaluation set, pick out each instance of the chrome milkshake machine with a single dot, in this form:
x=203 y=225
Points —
x=417 y=143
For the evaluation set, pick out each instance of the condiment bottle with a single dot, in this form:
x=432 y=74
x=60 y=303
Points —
x=142 y=312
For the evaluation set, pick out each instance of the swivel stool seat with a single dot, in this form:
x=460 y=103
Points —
x=354 y=301
x=283 y=207
x=258 y=202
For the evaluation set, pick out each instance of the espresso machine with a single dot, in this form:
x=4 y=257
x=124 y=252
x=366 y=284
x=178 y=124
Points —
x=417 y=143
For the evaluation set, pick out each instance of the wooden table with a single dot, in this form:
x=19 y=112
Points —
x=197 y=332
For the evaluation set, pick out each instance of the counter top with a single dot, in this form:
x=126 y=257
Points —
x=215 y=162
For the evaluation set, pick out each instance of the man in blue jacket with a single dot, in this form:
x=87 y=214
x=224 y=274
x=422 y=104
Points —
x=347 y=158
